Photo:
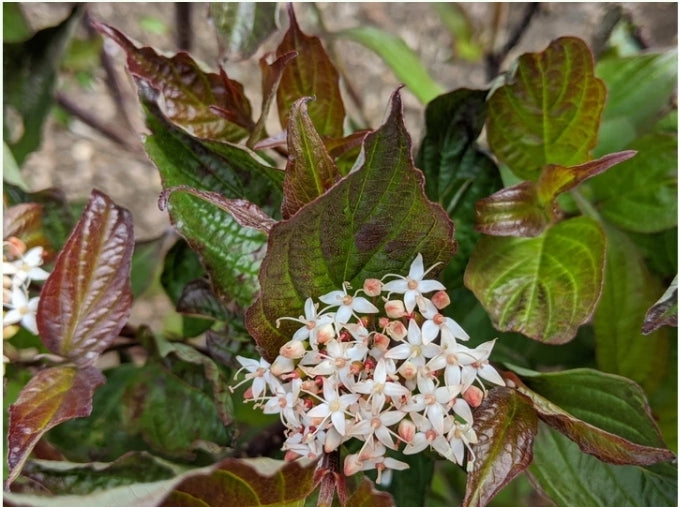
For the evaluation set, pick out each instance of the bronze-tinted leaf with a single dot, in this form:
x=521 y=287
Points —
x=311 y=74
x=51 y=397
x=24 y=221
x=367 y=495
x=663 y=312
x=86 y=300
x=373 y=222
x=310 y=170
x=207 y=105
x=512 y=211
x=506 y=425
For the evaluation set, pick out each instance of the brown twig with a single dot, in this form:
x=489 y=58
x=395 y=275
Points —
x=494 y=59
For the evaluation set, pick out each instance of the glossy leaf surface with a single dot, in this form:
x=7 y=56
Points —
x=246 y=483
x=506 y=424
x=243 y=26
x=86 y=299
x=396 y=54
x=606 y=415
x=457 y=173
x=310 y=170
x=543 y=287
x=570 y=477
x=230 y=252
x=663 y=312
x=371 y=223
x=629 y=290
x=310 y=74
x=207 y=105
x=550 y=111
x=51 y=397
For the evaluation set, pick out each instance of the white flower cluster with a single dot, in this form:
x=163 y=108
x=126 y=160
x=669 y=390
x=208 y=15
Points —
x=19 y=269
x=395 y=378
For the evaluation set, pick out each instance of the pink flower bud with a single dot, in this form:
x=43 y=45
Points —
x=291 y=456
x=408 y=370
x=372 y=287
x=294 y=349
x=397 y=330
x=383 y=322
x=395 y=309
x=440 y=299
x=473 y=396
x=352 y=465
x=247 y=395
x=325 y=333
x=406 y=430
x=381 y=341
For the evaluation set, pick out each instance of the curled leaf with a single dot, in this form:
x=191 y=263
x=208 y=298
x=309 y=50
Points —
x=663 y=312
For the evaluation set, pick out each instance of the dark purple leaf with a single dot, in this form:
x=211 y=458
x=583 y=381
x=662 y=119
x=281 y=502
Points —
x=663 y=312
x=86 y=300
x=506 y=425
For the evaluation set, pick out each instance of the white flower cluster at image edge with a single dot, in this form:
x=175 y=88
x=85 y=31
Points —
x=19 y=268
x=393 y=378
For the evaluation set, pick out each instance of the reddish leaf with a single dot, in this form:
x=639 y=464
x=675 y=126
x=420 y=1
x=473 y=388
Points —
x=598 y=442
x=86 y=300
x=512 y=211
x=51 y=397
x=556 y=179
x=311 y=74
x=243 y=211
x=208 y=105
x=550 y=112
x=506 y=425
x=373 y=222
x=310 y=170
x=271 y=78
x=366 y=495
x=24 y=221
x=245 y=483
x=663 y=312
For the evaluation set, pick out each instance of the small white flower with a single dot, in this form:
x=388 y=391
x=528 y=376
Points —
x=259 y=372
x=413 y=285
x=347 y=304
x=333 y=406
x=22 y=310
x=317 y=328
x=26 y=268
x=414 y=349
x=378 y=388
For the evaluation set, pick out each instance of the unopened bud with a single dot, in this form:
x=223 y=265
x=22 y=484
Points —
x=381 y=341
x=247 y=395
x=282 y=365
x=294 y=349
x=310 y=386
x=408 y=370
x=406 y=430
x=395 y=308
x=440 y=299
x=332 y=441
x=473 y=396
x=325 y=333
x=352 y=464
x=291 y=456
x=397 y=330
x=372 y=287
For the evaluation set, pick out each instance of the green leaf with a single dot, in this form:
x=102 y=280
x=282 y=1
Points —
x=29 y=76
x=367 y=496
x=10 y=169
x=543 y=287
x=373 y=222
x=550 y=112
x=205 y=104
x=659 y=251
x=640 y=195
x=310 y=74
x=457 y=173
x=243 y=26
x=569 y=477
x=15 y=28
x=145 y=262
x=462 y=30
x=399 y=57
x=51 y=397
x=606 y=415
x=86 y=300
x=197 y=298
x=663 y=312
x=310 y=171
x=174 y=429
x=231 y=253
x=412 y=487
x=245 y=483
x=629 y=290
x=639 y=87
x=505 y=424
x=60 y=478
